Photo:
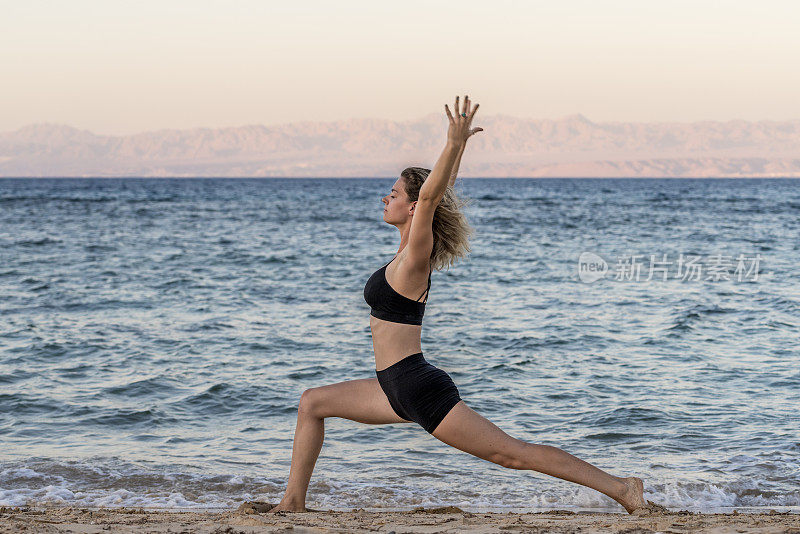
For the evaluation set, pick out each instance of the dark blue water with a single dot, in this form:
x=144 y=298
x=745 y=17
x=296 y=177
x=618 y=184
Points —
x=156 y=335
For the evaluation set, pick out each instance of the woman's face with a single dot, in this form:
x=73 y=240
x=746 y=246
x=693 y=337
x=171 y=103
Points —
x=396 y=204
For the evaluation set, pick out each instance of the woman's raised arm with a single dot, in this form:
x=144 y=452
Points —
x=443 y=173
x=454 y=172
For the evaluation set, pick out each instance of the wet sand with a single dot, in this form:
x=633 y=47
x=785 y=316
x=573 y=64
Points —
x=450 y=519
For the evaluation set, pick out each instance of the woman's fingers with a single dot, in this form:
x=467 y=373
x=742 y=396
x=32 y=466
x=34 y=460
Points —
x=465 y=109
x=473 y=111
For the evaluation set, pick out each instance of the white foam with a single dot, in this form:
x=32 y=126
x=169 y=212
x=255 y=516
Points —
x=133 y=487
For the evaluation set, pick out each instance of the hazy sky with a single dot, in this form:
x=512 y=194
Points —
x=127 y=66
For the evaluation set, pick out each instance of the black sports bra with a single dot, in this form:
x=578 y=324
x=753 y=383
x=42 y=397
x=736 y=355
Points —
x=388 y=304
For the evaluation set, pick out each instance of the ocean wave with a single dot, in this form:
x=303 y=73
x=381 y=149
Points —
x=49 y=483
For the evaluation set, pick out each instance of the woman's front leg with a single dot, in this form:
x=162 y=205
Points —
x=470 y=432
x=359 y=400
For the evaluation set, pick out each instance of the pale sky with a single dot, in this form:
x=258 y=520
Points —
x=120 y=67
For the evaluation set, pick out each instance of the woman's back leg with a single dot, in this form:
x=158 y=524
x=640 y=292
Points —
x=465 y=429
x=360 y=400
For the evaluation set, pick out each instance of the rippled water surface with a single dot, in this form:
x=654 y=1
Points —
x=156 y=336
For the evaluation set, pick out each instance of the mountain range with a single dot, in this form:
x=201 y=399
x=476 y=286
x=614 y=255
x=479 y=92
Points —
x=572 y=146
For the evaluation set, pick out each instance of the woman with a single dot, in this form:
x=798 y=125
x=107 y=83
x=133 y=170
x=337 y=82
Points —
x=407 y=388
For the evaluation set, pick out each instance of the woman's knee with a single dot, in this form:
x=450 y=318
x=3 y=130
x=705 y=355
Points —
x=515 y=457
x=505 y=460
x=310 y=402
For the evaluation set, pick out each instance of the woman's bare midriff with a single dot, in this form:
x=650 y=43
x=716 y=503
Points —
x=391 y=341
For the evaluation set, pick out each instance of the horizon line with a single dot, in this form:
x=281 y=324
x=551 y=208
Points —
x=579 y=116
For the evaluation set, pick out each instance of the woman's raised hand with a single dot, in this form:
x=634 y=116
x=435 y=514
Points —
x=460 y=126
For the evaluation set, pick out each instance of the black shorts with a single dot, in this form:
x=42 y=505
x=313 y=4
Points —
x=418 y=391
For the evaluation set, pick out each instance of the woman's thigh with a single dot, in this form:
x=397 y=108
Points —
x=467 y=430
x=360 y=400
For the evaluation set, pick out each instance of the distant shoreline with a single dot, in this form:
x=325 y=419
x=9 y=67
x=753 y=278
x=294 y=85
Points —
x=570 y=147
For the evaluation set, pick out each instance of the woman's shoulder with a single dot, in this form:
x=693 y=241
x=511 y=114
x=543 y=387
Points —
x=411 y=268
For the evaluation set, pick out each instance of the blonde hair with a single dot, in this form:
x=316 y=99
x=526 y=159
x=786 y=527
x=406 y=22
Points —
x=451 y=231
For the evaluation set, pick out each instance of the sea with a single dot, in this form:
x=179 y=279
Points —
x=156 y=336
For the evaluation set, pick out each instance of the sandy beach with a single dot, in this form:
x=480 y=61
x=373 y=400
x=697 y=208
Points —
x=450 y=519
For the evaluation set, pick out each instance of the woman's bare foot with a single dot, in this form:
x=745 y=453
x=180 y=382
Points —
x=287 y=507
x=633 y=497
x=260 y=507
